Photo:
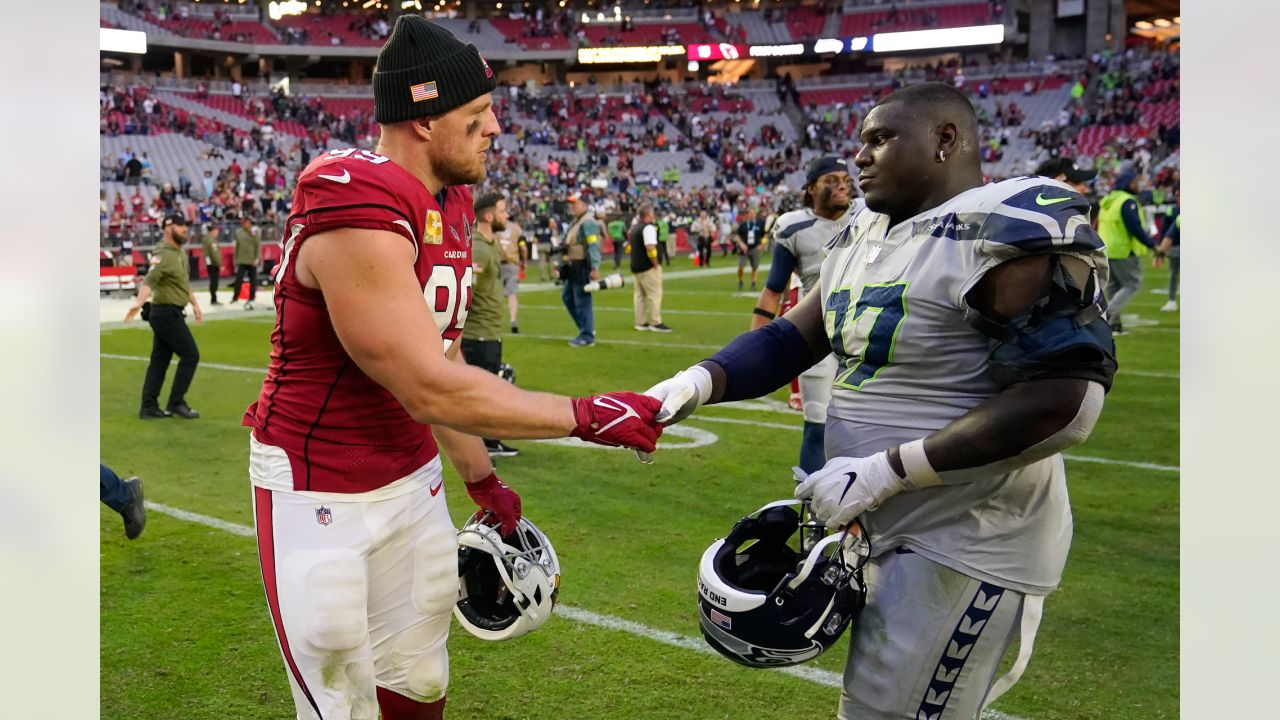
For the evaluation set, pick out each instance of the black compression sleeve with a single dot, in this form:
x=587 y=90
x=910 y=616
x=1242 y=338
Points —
x=763 y=360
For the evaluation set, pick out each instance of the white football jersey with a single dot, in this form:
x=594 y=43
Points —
x=805 y=235
x=909 y=364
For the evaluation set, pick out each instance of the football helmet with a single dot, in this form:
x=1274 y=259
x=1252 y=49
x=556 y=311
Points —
x=507 y=586
x=762 y=603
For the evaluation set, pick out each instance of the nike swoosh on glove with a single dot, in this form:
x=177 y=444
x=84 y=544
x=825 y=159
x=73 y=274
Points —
x=682 y=394
x=493 y=496
x=847 y=487
x=623 y=419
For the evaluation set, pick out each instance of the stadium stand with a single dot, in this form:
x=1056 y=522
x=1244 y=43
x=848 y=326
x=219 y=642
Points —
x=867 y=21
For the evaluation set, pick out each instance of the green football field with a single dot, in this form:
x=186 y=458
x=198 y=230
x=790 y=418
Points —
x=185 y=631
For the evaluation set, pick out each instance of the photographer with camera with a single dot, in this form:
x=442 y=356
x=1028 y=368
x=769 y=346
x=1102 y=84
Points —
x=580 y=265
x=647 y=296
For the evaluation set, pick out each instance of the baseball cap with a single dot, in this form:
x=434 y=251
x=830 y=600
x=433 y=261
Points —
x=575 y=196
x=173 y=219
x=1054 y=167
x=823 y=165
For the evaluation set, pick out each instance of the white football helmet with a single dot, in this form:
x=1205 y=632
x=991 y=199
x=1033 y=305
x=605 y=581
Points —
x=507 y=586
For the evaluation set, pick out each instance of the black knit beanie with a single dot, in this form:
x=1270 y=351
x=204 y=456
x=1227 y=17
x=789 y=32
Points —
x=424 y=70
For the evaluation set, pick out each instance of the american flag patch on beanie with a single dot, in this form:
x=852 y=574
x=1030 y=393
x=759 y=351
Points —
x=424 y=91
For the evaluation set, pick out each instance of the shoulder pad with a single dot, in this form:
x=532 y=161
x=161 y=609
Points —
x=1065 y=335
x=1033 y=215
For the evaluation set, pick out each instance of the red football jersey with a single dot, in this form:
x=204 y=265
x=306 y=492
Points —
x=341 y=430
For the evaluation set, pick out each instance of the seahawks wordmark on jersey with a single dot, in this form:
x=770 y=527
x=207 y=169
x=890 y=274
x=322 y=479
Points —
x=909 y=364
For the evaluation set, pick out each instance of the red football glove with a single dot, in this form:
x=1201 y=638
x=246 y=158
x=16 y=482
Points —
x=495 y=497
x=618 y=418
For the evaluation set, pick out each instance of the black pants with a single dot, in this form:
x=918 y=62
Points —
x=617 y=254
x=664 y=257
x=170 y=336
x=251 y=271
x=704 y=252
x=214 y=274
x=486 y=355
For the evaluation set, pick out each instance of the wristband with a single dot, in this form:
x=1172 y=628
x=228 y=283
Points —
x=764 y=313
x=915 y=463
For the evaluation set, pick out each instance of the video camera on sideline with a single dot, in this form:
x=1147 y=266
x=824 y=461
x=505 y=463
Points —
x=608 y=282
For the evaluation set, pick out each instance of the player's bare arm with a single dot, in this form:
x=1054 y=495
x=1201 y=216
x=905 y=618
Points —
x=1028 y=421
x=766 y=308
x=378 y=313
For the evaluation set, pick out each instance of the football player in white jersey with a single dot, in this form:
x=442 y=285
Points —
x=967 y=321
x=800 y=238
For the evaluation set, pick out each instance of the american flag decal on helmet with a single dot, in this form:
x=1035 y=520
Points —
x=721 y=619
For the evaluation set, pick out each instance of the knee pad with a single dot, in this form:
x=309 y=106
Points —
x=435 y=571
x=334 y=598
x=428 y=675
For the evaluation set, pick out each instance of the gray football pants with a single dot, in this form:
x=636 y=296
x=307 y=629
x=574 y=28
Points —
x=1124 y=283
x=929 y=642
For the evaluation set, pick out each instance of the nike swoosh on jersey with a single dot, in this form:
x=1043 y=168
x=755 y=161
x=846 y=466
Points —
x=852 y=476
x=344 y=178
x=1042 y=200
x=436 y=490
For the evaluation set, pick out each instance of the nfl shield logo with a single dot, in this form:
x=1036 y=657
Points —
x=323 y=516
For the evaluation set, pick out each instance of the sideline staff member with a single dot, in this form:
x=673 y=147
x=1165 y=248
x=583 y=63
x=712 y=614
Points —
x=167 y=288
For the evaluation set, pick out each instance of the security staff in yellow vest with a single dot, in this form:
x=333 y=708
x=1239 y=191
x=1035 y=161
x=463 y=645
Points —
x=1120 y=225
x=165 y=292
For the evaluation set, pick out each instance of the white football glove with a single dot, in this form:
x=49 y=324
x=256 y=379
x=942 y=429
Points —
x=682 y=394
x=846 y=487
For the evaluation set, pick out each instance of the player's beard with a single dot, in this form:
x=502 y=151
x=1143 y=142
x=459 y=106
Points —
x=455 y=166
x=498 y=226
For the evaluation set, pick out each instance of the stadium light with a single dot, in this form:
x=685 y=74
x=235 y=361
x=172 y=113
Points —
x=1163 y=23
x=125 y=41
x=644 y=54
x=1143 y=25
x=941 y=38
x=277 y=10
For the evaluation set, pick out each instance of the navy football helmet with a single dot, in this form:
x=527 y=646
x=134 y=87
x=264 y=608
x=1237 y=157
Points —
x=763 y=603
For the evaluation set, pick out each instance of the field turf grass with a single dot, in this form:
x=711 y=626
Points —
x=185 y=631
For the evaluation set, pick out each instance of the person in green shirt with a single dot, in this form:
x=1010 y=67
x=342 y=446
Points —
x=617 y=235
x=212 y=259
x=167 y=289
x=482 y=333
x=248 y=255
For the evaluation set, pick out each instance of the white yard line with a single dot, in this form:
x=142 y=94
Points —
x=601 y=308
x=826 y=678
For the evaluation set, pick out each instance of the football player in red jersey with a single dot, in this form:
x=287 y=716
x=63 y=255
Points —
x=358 y=554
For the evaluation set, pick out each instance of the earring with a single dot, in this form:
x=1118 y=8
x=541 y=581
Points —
x=942 y=156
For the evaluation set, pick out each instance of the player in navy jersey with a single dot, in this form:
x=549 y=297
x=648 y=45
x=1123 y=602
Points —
x=366 y=385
